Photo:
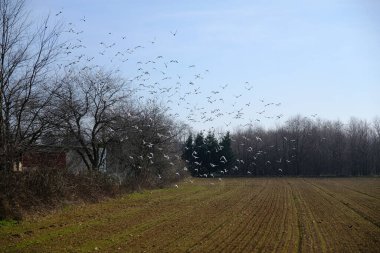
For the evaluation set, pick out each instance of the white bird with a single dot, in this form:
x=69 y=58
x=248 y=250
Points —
x=196 y=157
x=223 y=159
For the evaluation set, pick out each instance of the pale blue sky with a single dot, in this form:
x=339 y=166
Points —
x=318 y=57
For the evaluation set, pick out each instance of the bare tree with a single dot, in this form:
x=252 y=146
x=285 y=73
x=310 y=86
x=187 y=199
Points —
x=145 y=150
x=85 y=106
x=358 y=146
x=376 y=146
x=27 y=54
x=309 y=147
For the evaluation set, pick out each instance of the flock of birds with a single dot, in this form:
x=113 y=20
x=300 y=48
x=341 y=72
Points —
x=187 y=95
x=179 y=86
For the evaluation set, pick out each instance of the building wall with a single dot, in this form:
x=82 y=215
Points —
x=44 y=159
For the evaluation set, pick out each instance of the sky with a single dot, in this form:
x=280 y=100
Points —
x=300 y=57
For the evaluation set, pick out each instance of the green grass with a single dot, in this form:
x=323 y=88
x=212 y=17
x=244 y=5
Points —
x=7 y=223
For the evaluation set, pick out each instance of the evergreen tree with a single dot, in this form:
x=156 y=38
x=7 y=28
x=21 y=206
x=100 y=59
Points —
x=225 y=155
x=187 y=155
x=199 y=154
x=212 y=160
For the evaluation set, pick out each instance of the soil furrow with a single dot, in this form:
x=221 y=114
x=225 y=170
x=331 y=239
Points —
x=232 y=215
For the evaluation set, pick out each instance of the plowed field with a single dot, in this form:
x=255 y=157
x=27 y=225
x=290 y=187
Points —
x=205 y=215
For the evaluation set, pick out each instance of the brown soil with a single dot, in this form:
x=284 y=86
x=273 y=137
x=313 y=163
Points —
x=231 y=215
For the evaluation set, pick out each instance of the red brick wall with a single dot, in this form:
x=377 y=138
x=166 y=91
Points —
x=44 y=159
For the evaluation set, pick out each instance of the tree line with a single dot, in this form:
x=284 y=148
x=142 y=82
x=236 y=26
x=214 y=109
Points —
x=301 y=147
x=92 y=110
x=88 y=109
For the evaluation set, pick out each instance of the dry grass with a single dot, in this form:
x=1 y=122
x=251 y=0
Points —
x=232 y=215
x=42 y=190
